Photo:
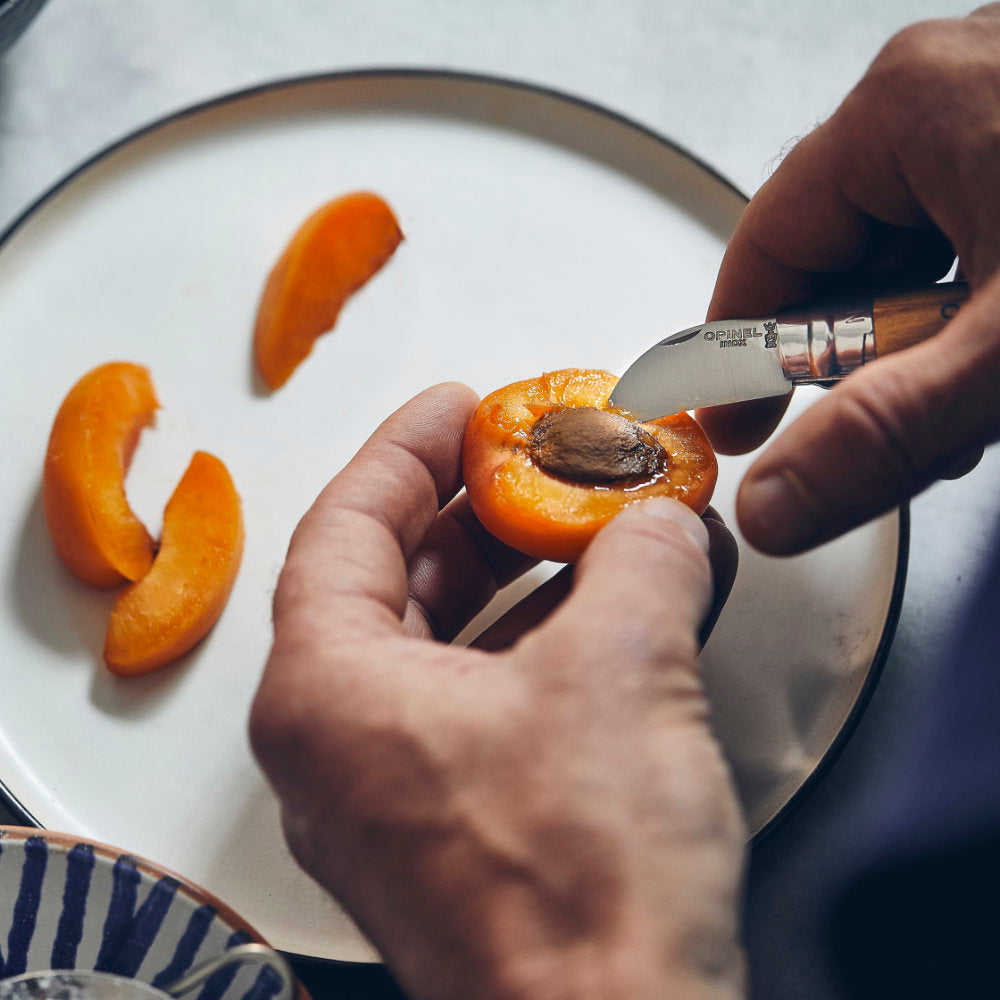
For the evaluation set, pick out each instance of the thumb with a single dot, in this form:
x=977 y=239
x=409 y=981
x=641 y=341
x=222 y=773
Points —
x=880 y=437
x=640 y=594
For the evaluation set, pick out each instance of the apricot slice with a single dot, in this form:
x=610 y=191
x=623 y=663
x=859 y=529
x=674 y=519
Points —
x=93 y=437
x=332 y=254
x=547 y=463
x=175 y=605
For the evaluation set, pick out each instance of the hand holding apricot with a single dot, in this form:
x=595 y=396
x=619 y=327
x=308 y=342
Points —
x=554 y=819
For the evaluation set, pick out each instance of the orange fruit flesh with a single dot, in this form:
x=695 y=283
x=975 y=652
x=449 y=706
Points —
x=90 y=447
x=550 y=517
x=332 y=254
x=174 y=606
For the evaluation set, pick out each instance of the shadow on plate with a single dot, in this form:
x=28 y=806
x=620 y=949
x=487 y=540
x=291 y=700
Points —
x=71 y=618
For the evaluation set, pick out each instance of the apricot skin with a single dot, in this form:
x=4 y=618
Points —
x=93 y=437
x=174 y=606
x=331 y=255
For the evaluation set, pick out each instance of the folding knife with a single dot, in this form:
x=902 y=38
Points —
x=728 y=361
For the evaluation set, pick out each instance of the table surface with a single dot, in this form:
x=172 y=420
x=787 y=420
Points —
x=734 y=83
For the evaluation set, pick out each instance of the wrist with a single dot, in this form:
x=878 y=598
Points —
x=652 y=938
x=583 y=887
x=603 y=928
x=679 y=965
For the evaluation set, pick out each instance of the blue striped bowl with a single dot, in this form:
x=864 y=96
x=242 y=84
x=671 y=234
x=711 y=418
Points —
x=69 y=903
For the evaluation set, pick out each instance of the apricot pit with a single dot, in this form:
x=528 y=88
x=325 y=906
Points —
x=587 y=445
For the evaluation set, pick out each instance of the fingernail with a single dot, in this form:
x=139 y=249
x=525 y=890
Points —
x=775 y=514
x=673 y=510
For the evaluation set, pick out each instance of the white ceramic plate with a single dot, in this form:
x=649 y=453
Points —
x=541 y=233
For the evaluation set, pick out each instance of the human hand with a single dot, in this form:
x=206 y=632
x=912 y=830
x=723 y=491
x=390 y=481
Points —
x=547 y=817
x=902 y=177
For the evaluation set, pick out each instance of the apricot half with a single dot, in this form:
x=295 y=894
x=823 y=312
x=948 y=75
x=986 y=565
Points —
x=547 y=462
x=93 y=437
x=332 y=254
x=178 y=601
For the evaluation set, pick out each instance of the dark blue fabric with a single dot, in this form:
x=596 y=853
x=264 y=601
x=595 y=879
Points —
x=918 y=914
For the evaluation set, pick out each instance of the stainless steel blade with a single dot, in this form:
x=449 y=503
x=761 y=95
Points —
x=705 y=365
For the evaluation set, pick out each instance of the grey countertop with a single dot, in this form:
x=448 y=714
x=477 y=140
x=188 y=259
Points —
x=733 y=83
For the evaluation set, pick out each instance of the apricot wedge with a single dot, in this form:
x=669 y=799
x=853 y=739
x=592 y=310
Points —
x=93 y=437
x=332 y=254
x=174 y=606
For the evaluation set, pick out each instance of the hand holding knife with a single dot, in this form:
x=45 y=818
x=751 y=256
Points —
x=729 y=361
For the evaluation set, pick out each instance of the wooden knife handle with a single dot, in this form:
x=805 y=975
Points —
x=900 y=321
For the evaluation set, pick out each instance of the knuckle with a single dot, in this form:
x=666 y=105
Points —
x=299 y=705
x=918 y=61
x=277 y=723
x=270 y=735
x=291 y=586
x=914 y=54
x=928 y=66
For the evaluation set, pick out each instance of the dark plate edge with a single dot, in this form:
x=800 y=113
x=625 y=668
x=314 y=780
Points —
x=867 y=688
x=291 y=82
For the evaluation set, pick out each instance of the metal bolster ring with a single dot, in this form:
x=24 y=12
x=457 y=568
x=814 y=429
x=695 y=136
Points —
x=825 y=346
x=854 y=336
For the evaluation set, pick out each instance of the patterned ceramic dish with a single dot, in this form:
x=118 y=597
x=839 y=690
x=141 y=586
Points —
x=70 y=903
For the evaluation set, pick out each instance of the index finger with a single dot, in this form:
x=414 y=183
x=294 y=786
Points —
x=346 y=569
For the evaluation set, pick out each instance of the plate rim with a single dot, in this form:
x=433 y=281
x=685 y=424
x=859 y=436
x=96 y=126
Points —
x=291 y=82
x=872 y=677
x=529 y=88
